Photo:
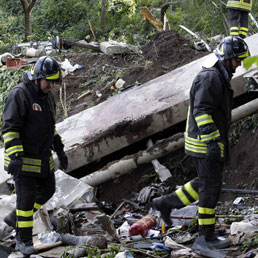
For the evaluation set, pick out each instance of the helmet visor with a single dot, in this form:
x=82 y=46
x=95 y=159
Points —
x=243 y=55
x=54 y=77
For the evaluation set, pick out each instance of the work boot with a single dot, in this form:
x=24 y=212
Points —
x=25 y=248
x=200 y=246
x=10 y=219
x=214 y=242
x=164 y=204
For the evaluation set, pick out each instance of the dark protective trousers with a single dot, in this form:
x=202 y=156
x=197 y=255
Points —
x=238 y=21
x=209 y=189
x=32 y=193
x=206 y=188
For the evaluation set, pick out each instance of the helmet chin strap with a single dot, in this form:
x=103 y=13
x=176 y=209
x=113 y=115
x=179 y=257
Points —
x=232 y=70
x=40 y=92
x=229 y=66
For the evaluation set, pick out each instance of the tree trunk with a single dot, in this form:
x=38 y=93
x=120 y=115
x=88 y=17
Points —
x=103 y=15
x=27 y=7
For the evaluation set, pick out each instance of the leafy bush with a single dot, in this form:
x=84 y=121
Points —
x=8 y=79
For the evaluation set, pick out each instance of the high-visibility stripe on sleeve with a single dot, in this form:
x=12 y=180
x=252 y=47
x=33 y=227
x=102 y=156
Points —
x=212 y=136
x=203 y=120
x=10 y=136
x=14 y=149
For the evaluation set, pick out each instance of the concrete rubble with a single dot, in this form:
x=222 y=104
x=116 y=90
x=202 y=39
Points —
x=78 y=224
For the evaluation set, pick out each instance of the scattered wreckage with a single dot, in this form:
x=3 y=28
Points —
x=74 y=218
x=74 y=224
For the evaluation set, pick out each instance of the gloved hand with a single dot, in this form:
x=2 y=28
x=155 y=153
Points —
x=63 y=160
x=213 y=154
x=15 y=166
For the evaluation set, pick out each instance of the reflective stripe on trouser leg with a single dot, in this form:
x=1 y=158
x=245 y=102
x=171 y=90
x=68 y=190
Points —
x=188 y=193
x=234 y=21
x=210 y=179
x=26 y=192
x=243 y=24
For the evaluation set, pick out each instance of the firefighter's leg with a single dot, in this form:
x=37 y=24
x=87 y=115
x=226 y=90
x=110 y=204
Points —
x=45 y=190
x=25 y=191
x=243 y=25
x=234 y=20
x=210 y=179
x=178 y=199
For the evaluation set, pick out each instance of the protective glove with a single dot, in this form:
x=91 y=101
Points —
x=63 y=160
x=15 y=166
x=213 y=152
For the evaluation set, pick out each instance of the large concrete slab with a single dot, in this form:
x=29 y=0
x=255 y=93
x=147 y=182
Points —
x=135 y=114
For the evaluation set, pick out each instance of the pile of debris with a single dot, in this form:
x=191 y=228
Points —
x=75 y=224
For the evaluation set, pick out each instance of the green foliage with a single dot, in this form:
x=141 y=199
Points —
x=247 y=123
x=249 y=61
x=57 y=16
x=11 y=31
x=8 y=79
x=250 y=242
x=202 y=17
x=123 y=19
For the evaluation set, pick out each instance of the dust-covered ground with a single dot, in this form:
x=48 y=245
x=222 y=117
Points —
x=92 y=85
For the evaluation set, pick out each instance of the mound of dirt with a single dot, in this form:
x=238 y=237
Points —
x=90 y=86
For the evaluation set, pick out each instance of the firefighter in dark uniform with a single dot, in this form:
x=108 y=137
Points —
x=238 y=16
x=30 y=137
x=206 y=141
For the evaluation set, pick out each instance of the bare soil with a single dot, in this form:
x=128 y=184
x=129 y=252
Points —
x=165 y=52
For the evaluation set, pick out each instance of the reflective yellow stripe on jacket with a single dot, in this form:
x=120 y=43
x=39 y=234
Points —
x=30 y=164
x=240 y=4
x=12 y=148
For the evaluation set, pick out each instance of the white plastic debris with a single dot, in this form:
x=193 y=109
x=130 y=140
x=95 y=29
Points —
x=153 y=233
x=123 y=230
x=161 y=170
x=238 y=200
x=248 y=225
x=3 y=58
x=68 y=67
x=120 y=83
x=125 y=254
x=242 y=226
x=68 y=190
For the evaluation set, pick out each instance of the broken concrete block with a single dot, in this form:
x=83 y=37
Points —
x=113 y=47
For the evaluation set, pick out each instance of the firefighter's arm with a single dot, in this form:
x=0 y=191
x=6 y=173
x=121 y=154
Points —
x=13 y=117
x=58 y=147
x=207 y=96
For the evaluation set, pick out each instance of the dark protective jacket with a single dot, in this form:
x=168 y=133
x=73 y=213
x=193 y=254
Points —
x=29 y=128
x=244 y=5
x=209 y=114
